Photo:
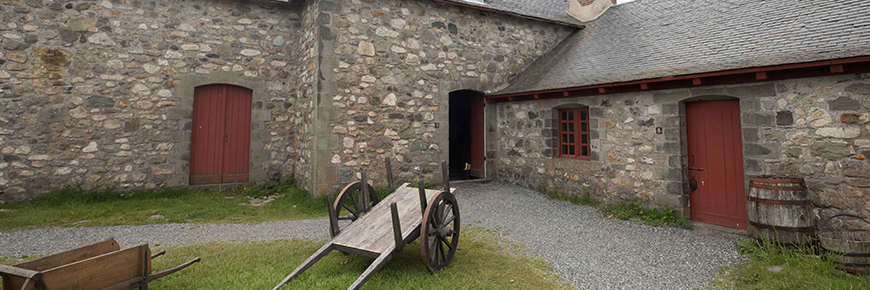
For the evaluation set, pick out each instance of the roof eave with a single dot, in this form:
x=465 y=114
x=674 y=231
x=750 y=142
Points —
x=478 y=7
x=852 y=65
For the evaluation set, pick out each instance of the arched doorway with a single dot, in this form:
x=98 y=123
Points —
x=221 y=134
x=467 y=142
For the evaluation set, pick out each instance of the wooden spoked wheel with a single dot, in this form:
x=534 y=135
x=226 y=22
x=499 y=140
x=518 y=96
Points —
x=439 y=234
x=348 y=206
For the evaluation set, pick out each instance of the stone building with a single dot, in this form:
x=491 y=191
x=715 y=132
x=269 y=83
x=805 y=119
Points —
x=781 y=87
x=128 y=94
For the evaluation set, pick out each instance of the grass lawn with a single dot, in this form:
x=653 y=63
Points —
x=802 y=269
x=70 y=207
x=480 y=263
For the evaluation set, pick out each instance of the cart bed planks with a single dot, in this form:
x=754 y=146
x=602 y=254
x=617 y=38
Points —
x=374 y=233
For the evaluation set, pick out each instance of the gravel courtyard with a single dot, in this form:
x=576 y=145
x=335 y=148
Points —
x=585 y=249
x=594 y=252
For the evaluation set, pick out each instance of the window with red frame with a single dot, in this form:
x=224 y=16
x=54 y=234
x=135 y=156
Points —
x=574 y=133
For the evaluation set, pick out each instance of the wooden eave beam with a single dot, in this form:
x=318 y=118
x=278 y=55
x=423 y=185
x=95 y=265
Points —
x=748 y=75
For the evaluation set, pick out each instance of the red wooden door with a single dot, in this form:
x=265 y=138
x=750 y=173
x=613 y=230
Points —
x=237 y=143
x=716 y=163
x=220 y=141
x=478 y=146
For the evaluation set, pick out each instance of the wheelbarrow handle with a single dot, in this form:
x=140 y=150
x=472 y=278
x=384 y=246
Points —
x=154 y=276
x=158 y=254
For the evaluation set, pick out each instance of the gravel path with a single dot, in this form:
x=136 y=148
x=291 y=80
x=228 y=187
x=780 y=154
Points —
x=594 y=252
x=587 y=250
x=52 y=240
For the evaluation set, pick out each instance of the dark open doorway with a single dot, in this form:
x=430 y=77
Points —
x=467 y=157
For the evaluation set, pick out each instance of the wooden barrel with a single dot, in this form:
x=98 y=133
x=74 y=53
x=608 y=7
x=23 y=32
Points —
x=779 y=209
x=850 y=250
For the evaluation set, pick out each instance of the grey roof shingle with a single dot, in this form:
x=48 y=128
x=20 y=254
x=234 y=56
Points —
x=657 y=38
x=552 y=10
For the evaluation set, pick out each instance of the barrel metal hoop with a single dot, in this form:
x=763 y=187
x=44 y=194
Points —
x=779 y=202
x=765 y=186
x=825 y=224
x=785 y=229
x=853 y=264
x=859 y=255
x=764 y=180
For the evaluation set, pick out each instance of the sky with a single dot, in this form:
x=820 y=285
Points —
x=623 y=1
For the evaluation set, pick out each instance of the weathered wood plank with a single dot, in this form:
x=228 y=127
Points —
x=372 y=269
x=63 y=258
x=325 y=249
x=99 y=272
x=397 y=228
x=445 y=175
x=779 y=205
x=374 y=231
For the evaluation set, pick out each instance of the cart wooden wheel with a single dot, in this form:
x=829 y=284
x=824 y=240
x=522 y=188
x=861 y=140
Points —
x=440 y=231
x=347 y=205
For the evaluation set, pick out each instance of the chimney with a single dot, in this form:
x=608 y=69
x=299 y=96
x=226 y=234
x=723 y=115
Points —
x=588 y=10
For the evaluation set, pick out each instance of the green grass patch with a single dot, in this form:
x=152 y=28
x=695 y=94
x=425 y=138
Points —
x=586 y=199
x=480 y=263
x=75 y=207
x=636 y=210
x=633 y=209
x=802 y=268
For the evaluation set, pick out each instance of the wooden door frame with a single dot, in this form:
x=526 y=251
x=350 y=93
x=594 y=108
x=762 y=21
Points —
x=481 y=132
x=482 y=129
x=684 y=126
x=229 y=127
x=183 y=114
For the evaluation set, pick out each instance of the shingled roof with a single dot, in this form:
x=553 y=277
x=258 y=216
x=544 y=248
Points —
x=659 y=38
x=547 y=10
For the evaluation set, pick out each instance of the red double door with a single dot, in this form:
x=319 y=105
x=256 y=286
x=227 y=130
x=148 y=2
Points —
x=716 y=163
x=221 y=137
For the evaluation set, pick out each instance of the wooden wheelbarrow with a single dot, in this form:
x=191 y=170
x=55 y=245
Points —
x=380 y=230
x=98 y=266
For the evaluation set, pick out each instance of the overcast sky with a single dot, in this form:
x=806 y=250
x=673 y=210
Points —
x=623 y=1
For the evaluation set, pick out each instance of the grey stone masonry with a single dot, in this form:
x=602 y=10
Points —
x=814 y=128
x=386 y=70
x=99 y=94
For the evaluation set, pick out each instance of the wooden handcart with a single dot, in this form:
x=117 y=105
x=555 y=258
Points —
x=380 y=230
x=98 y=266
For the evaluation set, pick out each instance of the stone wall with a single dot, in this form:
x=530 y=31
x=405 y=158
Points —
x=818 y=129
x=815 y=128
x=624 y=161
x=304 y=92
x=387 y=68
x=98 y=94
